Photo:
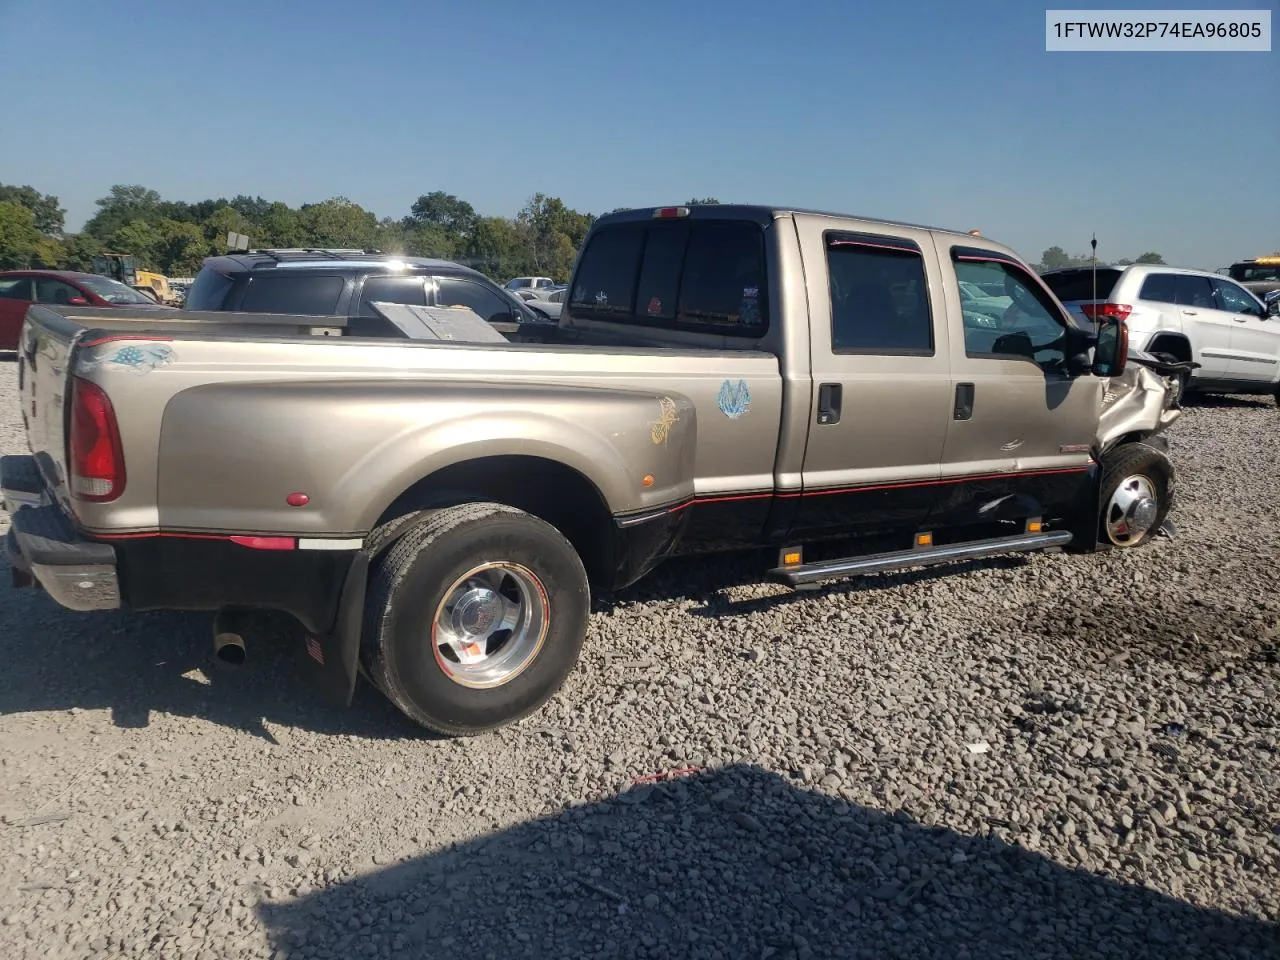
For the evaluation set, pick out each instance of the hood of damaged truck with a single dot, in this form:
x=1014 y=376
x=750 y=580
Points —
x=1140 y=400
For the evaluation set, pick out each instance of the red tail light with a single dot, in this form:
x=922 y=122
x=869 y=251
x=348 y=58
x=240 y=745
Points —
x=1096 y=311
x=97 y=457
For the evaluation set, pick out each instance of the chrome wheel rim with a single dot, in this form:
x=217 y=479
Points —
x=490 y=625
x=1132 y=511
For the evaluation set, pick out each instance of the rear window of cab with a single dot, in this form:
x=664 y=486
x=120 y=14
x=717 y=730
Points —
x=704 y=276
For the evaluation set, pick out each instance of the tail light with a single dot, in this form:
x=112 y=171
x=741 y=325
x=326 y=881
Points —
x=1096 y=311
x=97 y=457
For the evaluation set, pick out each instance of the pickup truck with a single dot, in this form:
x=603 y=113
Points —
x=439 y=515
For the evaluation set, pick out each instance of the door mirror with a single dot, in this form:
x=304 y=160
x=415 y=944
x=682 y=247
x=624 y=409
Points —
x=1111 y=350
x=1273 y=307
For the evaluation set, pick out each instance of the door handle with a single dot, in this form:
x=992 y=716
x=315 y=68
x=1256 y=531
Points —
x=964 y=401
x=1240 y=319
x=829 y=397
x=1190 y=313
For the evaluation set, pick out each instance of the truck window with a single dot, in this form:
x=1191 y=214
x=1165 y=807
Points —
x=702 y=276
x=1194 y=291
x=407 y=290
x=1029 y=328
x=1078 y=284
x=488 y=305
x=1159 y=288
x=304 y=294
x=209 y=291
x=879 y=303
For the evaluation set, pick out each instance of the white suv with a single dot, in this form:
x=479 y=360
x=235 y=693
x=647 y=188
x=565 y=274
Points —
x=1183 y=315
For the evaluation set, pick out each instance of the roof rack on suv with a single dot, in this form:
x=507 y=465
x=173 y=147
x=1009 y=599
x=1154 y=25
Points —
x=334 y=253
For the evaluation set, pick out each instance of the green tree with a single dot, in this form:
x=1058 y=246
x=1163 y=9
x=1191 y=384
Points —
x=49 y=215
x=123 y=205
x=706 y=201
x=80 y=249
x=223 y=220
x=1055 y=258
x=180 y=248
x=19 y=236
x=337 y=222
x=1150 y=257
x=455 y=217
x=280 y=227
x=141 y=239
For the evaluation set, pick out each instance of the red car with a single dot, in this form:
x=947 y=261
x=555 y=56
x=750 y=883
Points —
x=21 y=288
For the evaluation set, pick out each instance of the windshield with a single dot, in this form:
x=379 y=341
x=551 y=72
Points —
x=113 y=291
x=1253 y=272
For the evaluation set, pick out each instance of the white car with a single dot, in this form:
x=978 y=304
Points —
x=521 y=283
x=1182 y=314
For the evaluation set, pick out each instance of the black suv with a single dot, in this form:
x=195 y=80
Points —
x=329 y=282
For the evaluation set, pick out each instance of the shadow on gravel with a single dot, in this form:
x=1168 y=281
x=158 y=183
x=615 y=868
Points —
x=1212 y=401
x=706 y=580
x=144 y=663
x=739 y=863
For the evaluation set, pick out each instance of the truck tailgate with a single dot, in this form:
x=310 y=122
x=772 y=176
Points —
x=43 y=384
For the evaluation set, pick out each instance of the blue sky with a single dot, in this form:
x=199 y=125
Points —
x=945 y=113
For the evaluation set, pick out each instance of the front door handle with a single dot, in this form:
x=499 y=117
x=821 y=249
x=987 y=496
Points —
x=829 y=397
x=964 y=401
x=1190 y=313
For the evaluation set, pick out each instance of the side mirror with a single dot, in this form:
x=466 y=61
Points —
x=1111 y=350
x=78 y=302
x=1273 y=307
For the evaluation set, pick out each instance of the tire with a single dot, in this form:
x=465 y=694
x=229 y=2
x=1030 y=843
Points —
x=1180 y=381
x=485 y=677
x=1129 y=472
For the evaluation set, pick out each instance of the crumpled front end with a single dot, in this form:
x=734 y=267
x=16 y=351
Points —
x=1139 y=402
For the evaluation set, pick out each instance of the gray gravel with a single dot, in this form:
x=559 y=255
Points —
x=1040 y=757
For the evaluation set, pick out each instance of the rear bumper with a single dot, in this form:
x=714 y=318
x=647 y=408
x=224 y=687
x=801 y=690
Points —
x=43 y=545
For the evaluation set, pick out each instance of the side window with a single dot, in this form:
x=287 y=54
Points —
x=452 y=292
x=55 y=291
x=605 y=280
x=723 y=278
x=17 y=288
x=407 y=290
x=1030 y=325
x=1233 y=299
x=879 y=299
x=1160 y=288
x=305 y=294
x=1194 y=291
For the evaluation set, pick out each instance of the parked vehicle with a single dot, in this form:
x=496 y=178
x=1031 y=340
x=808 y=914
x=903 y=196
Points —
x=1184 y=315
x=523 y=283
x=1260 y=275
x=345 y=283
x=441 y=513
x=21 y=288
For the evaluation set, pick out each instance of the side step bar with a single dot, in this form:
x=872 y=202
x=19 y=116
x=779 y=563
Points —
x=794 y=576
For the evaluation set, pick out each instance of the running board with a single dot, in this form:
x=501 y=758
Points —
x=794 y=576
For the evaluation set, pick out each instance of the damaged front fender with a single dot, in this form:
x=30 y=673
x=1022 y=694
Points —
x=1138 y=403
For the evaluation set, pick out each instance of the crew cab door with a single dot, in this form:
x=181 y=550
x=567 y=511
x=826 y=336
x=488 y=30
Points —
x=1255 y=339
x=1021 y=426
x=881 y=385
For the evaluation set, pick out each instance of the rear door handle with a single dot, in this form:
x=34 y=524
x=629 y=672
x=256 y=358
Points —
x=1190 y=313
x=964 y=401
x=829 y=401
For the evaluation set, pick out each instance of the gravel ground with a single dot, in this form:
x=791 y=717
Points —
x=733 y=772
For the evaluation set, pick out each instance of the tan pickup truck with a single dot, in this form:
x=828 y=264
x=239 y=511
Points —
x=439 y=514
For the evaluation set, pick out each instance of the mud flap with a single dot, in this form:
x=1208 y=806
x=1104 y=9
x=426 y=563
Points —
x=338 y=652
x=1084 y=523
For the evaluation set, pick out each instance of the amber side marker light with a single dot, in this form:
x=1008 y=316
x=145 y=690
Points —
x=791 y=557
x=648 y=480
x=1034 y=526
x=924 y=539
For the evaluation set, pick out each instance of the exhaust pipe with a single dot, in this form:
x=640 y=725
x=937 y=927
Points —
x=228 y=637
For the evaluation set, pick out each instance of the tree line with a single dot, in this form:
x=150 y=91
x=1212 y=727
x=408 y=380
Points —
x=174 y=236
